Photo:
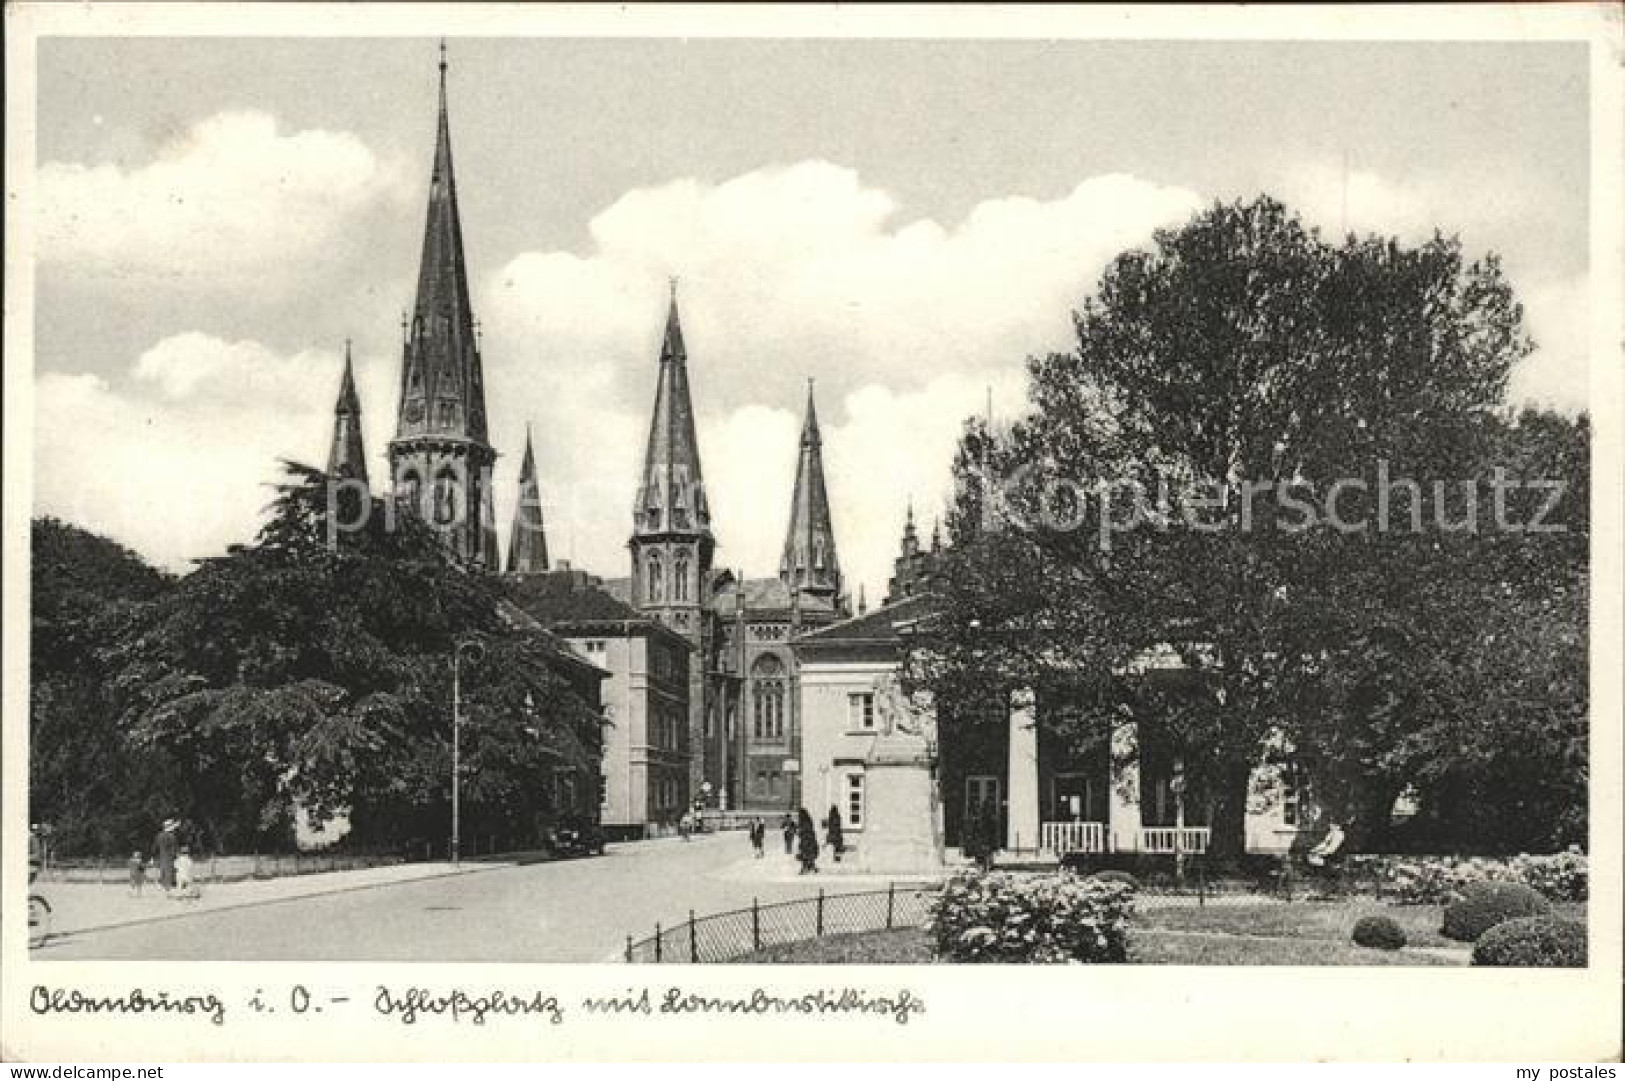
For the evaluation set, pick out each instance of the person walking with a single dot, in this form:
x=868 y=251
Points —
x=685 y=825
x=185 y=884
x=138 y=874
x=787 y=826
x=165 y=847
x=806 y=843
x=758 y=836
x=833 y=835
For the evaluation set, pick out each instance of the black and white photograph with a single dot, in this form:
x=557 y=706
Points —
x=510 y=494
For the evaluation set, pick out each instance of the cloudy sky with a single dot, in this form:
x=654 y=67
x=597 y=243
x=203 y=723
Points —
x=904 y=221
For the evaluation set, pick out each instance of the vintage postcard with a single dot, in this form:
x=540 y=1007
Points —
x=576 y=532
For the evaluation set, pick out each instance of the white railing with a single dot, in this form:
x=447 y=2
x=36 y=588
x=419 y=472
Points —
x=1063 y=837
x=1169 y=840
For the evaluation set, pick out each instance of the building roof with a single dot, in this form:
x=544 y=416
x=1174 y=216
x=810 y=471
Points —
x=517 y=619
x=571 y=603
x=764 y=595
x=880 y=626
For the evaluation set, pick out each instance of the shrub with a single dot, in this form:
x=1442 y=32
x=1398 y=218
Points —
x=1484 y=904
x=1055 y=918
x=1379 y=932
x=1121 y=877
x=1533 y=942
x=1561 y=877
x=1435 y=880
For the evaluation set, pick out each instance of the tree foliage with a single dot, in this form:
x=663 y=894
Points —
x=313 y=671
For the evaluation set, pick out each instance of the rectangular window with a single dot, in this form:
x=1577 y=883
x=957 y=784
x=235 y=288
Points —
x=860 y=711
x=854 y=801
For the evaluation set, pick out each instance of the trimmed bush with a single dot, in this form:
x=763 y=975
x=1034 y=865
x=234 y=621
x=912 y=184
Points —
x=1379 y=933
x=1122 y=878
x=1533 y=942
x=1484 y=904
x=1044 y=919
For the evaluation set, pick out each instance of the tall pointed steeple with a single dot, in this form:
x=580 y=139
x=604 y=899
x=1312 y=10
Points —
x=440 y=457
x=671 y=543
x=809 y=563
x=347 y=458
x=671 y=495
x=527 y=551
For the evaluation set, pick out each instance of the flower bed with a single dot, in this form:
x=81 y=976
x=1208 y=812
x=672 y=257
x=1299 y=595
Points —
x=1055 y=918
x=1436 y=880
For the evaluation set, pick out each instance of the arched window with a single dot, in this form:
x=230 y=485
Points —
x=767 y=697
x=656 y=585
x=445 y=497
x=679 y=577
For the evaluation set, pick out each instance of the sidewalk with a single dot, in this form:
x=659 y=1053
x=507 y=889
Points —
x=77 y=907
x=778 y=868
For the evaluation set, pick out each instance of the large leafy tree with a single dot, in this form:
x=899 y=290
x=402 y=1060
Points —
x=1133 y=549
x=96 y=793
x=313 y=670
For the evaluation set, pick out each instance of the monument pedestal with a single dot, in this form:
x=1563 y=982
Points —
x=900 y=830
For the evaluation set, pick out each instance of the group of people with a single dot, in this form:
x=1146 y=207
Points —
x=173 y=862
x=801 y=837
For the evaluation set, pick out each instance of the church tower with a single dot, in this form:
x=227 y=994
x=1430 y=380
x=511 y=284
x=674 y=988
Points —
x=527 y=550
x=809 y=564
x=671 y=541
x=347 y=459
x=441 y=457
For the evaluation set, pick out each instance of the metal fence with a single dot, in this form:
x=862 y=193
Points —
x=724 y=936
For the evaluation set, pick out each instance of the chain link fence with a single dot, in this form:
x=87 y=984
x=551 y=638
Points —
x=724 y=936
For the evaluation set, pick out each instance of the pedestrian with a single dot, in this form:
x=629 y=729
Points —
x=36 y=852
x=138 y=874
x=758 y=836
x=832 y=833
x=787 y=826
x=185 y=885
x=806 y=843
x=685 y=825
x=164 y=848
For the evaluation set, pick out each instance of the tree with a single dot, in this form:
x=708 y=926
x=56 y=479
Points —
x=1152 y=504
x=97 y=794
x=312 y=671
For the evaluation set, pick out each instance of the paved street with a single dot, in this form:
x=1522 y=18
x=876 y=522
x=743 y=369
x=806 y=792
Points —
x=575 y=910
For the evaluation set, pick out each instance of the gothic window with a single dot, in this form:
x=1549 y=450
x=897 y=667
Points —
x=445 y=497
x=656 y=585
x=412 y=490
x=767 y=697
x=818 y=553
x=679 y=577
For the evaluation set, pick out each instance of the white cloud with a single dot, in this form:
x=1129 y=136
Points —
x=176 y=462
x=231 y=202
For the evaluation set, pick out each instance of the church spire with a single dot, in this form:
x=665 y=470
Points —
x=442 y=381
x=527 y=551
x=671 y=495
x=809 y=561
x=441 y=457
x=346 y=458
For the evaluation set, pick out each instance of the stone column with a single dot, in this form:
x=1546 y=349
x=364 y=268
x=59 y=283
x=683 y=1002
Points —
x=1021 y=777
x=1123 y=825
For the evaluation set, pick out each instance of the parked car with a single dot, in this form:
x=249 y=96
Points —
x=576 y=838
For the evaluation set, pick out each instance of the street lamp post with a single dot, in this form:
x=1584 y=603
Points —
x=473 y=651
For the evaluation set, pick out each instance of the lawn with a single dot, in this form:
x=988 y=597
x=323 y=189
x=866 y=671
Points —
x=1325 y=921
x=1300 y=933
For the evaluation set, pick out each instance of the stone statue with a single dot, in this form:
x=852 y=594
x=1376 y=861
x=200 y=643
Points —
x=899 y=714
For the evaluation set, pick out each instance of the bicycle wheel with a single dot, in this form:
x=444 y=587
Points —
x=39 y=920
